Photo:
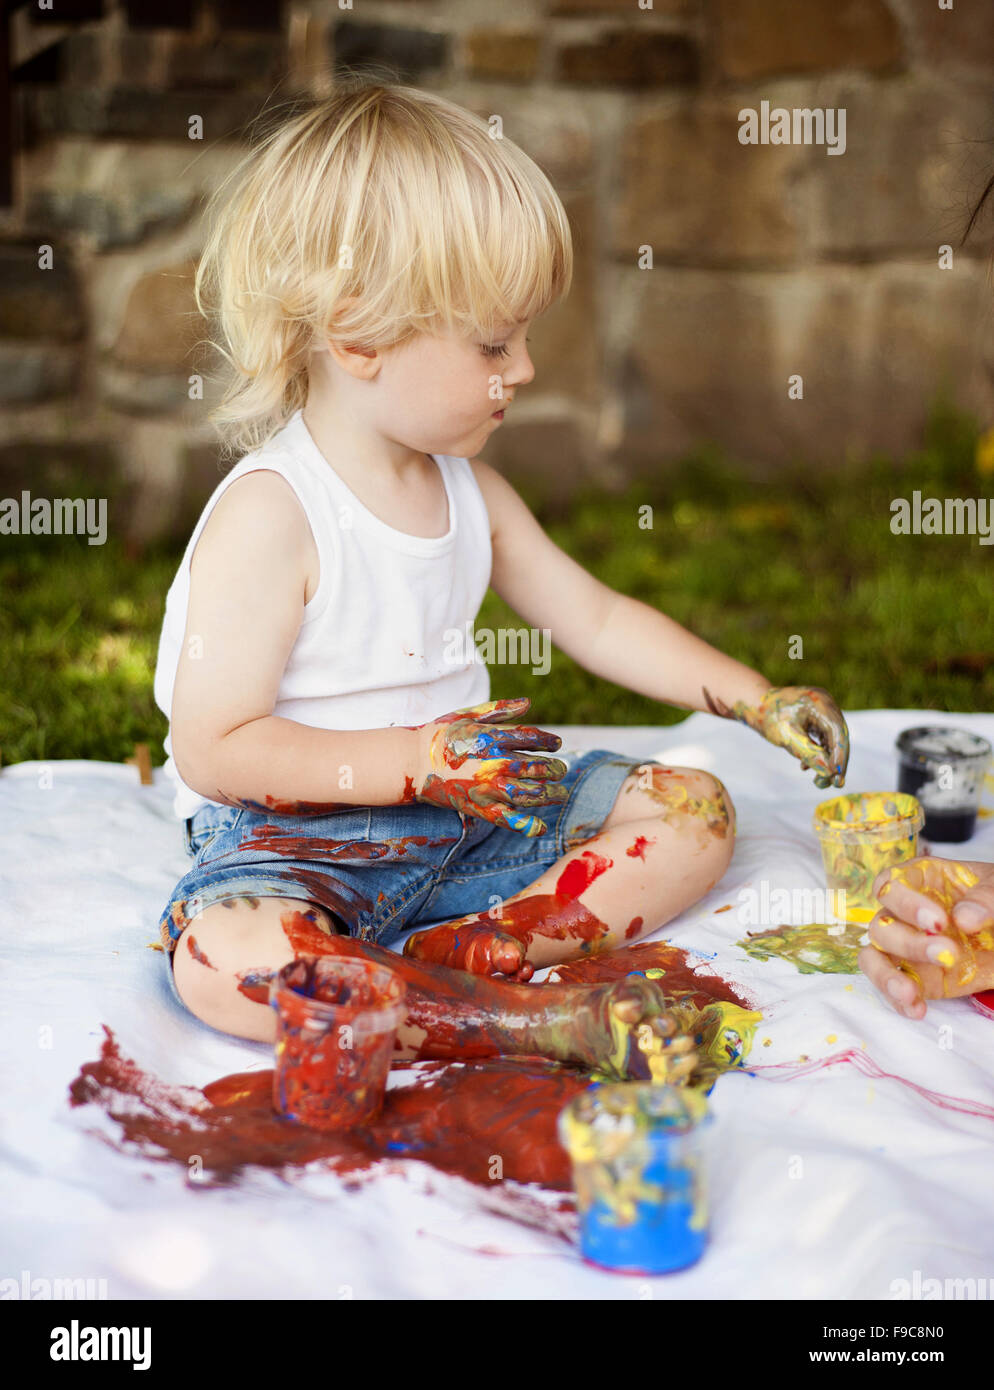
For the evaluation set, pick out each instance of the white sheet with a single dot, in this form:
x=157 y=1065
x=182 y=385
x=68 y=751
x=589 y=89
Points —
x=833 y=1184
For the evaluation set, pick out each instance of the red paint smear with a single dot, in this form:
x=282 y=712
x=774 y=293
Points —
x=726 y=908
x=637 y=850
x=271 y=839
x=197 y=953
x=580 y=873
x=868 y=1067
x=456 y=1118
x=633 y=928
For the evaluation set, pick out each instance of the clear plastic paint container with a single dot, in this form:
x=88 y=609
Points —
x=336 y=1022
x=639 y=1160
x=945 y=769
x=860 y=834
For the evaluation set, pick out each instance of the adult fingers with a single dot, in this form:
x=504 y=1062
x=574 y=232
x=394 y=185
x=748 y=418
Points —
x=908 y=903
x=909 y=943
x=975 y=910
x=897 y=987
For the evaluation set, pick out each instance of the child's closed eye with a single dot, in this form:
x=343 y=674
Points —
x=497 y=349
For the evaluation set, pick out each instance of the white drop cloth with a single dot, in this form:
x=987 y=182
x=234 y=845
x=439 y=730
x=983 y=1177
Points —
x=831 y=1185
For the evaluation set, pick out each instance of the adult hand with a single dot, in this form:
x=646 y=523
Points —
x=934 y=936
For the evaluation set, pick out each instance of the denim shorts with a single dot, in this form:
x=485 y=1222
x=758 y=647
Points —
x=386 y=869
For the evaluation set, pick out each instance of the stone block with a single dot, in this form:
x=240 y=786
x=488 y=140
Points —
x=759 y=38
x=36 y=303
x=631 y=57
x=689 y=189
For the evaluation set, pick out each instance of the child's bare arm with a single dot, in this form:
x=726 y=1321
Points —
x=626 y=641
x=248 y=577
x=248 y=580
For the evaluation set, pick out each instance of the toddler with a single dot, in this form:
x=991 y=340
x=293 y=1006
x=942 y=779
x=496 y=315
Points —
x=340 y=771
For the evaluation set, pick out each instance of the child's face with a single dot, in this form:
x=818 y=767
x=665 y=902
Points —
x=440 y=394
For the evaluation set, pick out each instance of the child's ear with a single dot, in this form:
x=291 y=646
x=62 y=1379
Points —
x=361 y=362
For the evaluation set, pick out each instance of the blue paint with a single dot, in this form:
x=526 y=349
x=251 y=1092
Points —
x=638 y=1172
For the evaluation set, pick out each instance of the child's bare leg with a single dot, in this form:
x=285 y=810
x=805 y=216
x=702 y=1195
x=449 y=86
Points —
x=226 y=955
x=666 y=842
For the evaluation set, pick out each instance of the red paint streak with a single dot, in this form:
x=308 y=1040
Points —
x=726 y=908
x=580 y=873
x=410 y=791
x=270 y=839
x=868 y=1067
x=254 y=984
x=306 y=808
x=637 y=850
x=633 y=928
x=196 y=952
x=454 y=1118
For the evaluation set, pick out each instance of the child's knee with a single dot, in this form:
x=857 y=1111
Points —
x=225 y=953
x=702 y=795
x=715 y=794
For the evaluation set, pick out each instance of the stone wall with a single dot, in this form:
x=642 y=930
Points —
x=709 y=272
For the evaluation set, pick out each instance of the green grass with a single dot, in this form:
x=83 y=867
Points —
x=905 y=621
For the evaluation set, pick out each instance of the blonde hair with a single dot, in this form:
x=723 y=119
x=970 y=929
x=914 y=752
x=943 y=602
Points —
x=388 y=194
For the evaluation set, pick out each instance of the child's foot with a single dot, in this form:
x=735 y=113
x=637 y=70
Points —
x=625 y=1031
x=474 y=946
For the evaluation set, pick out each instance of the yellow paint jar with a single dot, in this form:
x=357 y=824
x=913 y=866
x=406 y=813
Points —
x=860 y=834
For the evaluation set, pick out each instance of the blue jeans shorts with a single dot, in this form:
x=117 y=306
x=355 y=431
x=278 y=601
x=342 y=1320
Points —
x=386 y=869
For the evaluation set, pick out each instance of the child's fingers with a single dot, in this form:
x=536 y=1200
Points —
x=909 y=943
x=500 y=814
x=897 y=988
x=551 y=769
x=529 y=737
x=522 y=792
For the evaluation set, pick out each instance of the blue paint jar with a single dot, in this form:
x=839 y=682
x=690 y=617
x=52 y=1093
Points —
x=637 y=1150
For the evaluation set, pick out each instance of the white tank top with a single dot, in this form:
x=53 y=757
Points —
x=376 y=645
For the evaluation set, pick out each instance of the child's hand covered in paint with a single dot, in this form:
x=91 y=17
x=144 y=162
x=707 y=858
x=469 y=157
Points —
x=934 y=937
x=803 y=719
x=468 y=762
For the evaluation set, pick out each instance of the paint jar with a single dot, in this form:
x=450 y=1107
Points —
x=945 y=769
x=336 y=1022
x=861 y=834
x=638 y=1155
